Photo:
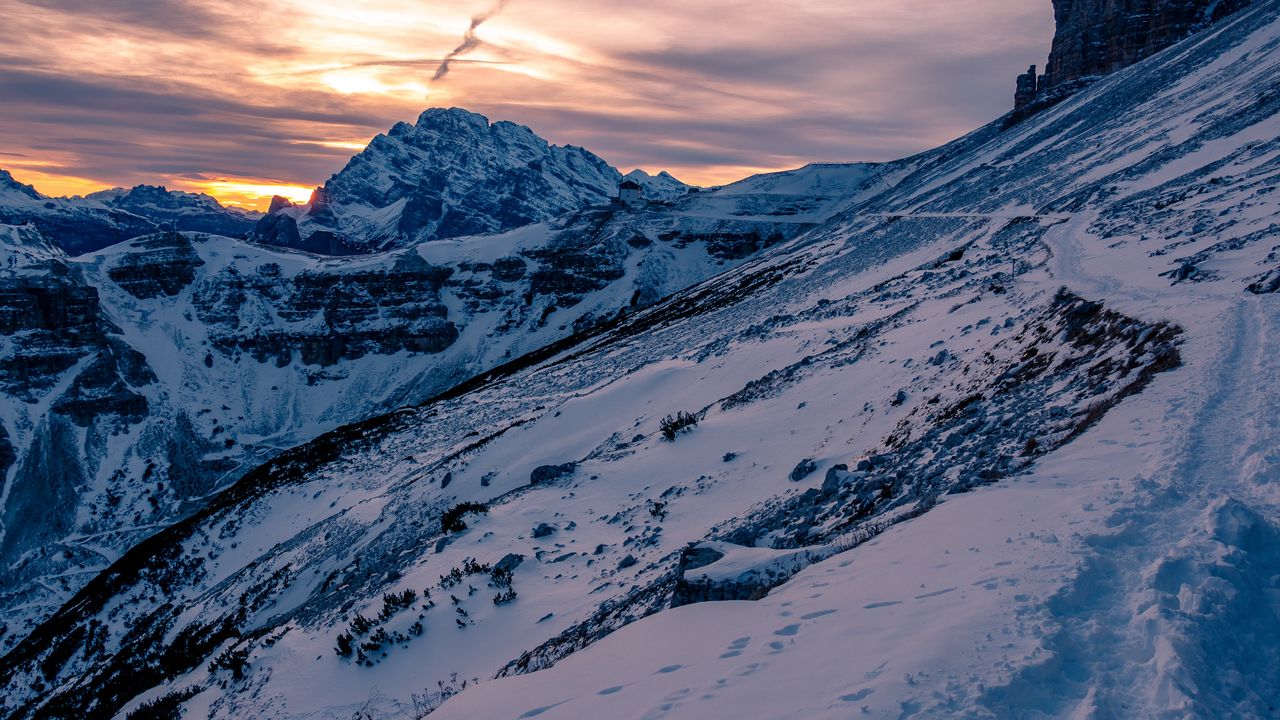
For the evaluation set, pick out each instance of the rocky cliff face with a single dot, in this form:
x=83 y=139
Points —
x=451 y=174
x=1099 y=37
x=1095 y=38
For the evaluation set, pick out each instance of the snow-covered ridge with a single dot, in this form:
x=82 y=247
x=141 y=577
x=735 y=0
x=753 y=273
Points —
x=85 y=224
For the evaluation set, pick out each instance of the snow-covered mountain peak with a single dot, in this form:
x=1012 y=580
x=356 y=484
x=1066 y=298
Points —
x=453 y=173
x=84 y=224
x=661 y=187
x=8 y=185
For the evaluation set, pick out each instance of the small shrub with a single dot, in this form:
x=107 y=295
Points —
x=231 y=659
x=452 y=519
x=393 y=603
x=501 y=578
x=673 y=425
x=361 y=625
x=165 y=707
x=343 y=648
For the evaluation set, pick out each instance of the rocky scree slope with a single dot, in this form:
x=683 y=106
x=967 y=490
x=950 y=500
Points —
x=450 y=174
x=913 y=351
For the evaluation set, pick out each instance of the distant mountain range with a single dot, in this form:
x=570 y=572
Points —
x=85 y=224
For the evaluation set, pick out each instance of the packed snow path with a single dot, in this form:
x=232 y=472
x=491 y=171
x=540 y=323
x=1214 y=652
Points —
x=1174 y=611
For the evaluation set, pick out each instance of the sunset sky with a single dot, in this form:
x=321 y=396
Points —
x=249 y=98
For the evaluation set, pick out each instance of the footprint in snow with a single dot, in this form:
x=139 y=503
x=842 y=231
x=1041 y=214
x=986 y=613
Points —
x=660 y=711
x=538 y=711
x=669 y=669
x=816 y=615
x=610 y=690
x=887 y=603
x=777 y=646
x=749 y=669
x=855 y=697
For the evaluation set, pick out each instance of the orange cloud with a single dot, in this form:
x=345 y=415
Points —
x=707 y=90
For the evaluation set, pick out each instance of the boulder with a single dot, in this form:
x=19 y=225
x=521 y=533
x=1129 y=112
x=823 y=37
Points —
x=806 y=468
x=550 y=473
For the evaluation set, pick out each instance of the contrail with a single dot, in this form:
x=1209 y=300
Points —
x=469 y=40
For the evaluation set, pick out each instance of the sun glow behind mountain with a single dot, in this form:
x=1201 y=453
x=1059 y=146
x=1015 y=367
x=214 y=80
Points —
x=251 y=194
x=274 y=93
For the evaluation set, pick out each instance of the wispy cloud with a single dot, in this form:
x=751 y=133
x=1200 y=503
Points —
x=116 y=92
x=470 y=40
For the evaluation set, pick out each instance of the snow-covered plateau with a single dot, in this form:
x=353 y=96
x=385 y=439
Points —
x=988 y=432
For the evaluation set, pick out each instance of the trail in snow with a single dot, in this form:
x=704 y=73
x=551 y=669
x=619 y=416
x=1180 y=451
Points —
x=1174 y=614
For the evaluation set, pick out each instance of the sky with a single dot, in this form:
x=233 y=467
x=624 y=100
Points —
x=244 y=99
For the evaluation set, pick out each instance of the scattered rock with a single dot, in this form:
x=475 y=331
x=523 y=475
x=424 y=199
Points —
x=835 y=478
x=509 y=562
x=551 y=473
x=803 y=470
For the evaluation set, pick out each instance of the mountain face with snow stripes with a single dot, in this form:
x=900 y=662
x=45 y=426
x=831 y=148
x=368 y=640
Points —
x=450 y=174
x=988 y=433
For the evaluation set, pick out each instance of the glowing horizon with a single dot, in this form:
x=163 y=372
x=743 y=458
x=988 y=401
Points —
x=710 y=93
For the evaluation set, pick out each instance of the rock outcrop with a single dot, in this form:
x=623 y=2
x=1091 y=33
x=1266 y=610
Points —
x=1095 y=38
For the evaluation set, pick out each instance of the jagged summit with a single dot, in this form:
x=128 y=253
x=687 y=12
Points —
x=10 y=185
x=452 y=173
x=177 y=210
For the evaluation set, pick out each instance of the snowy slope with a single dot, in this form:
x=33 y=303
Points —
x=238 y=351
x=1131 y=574
x=813 y=193
x=1053 y=502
